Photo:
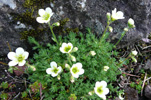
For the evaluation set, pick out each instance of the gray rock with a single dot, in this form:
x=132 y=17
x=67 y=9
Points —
x=147 y=65
x=82 y=14
x=147 y=92
x=131 y=94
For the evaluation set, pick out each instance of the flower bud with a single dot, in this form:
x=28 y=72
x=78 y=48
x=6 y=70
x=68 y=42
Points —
x=67 y=66
x=134 y=52
x=73 y=58
x=131 y=23
x=106 y=68
x=72 y=79
x=92 y=53
x=58 y=77
x=134 y=59
x=110 y=29
x=56 y=24
x=108 y=15
x=91 y=93
x=126 y=29
x=33 y=68
x=74 y=49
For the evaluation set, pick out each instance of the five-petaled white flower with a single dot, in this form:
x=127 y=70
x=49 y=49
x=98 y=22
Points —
x=66 y=47
x=54 y=70
x=101 y=90
x=76 y=70
x=116 y=15
x=45 y=15
x=18 y=57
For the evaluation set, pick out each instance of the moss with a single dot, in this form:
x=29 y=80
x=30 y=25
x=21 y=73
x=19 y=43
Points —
x=29 y=20
x=62 y=30
x=31 y=32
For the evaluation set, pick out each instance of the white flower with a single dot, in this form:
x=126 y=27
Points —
x=66 y=47
x=131 y=23
x=92 y=53
x=45 y=15
x=54 y=70
x=117 y=15
x=134 y=52
x=106 y=68
x=101 y=90
x=18 y=57
x=76 y=70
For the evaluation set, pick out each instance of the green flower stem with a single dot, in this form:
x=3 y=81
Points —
x=54 y=37
x=124 y=60
x=123 y=33
x=104 y=33
x=69 y=59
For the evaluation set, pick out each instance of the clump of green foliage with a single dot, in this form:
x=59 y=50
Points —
x=93 y=66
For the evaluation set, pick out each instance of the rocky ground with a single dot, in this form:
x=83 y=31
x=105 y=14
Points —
x=81 y=14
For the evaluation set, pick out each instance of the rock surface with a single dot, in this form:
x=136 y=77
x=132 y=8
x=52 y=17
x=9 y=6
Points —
x=131 y=94
x=147 y=92
x=82 y=14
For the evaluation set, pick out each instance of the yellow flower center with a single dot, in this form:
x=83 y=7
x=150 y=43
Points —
x=100 y=90
x=46 y=16
x=75 y=70
x=55 y=70
x=66 y=49
x=20 y=58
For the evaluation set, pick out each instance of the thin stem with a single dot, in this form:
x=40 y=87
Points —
x=108 y=23
x=69 y=59
x=54 y=37
x=3 y=63
x=120 y=38
x=124 y=60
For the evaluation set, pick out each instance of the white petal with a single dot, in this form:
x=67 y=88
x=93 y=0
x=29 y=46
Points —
x=53 y=64
x=103 y=83
x=54 y=74
x=26 y=54
x=11 y=55
x=19 y=51
x=49 y=10
x=40 y=20
x=49 y=70
x=105 y=91
x=79 y=65
x=114 y=11
x=120 y=15
x=81 y=71
x=41 y=12
x=69 y=44
x=64 y=45
x=75 y=75
x=60 y=69
x=102 y=96
x=12 y=63
x=21 y=63
x=61 y=49
x=97 y=84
